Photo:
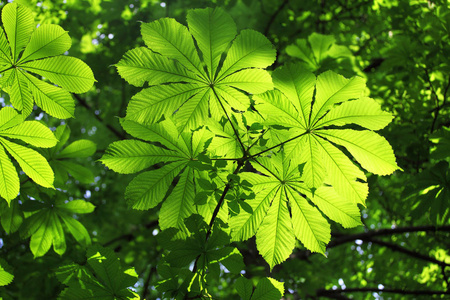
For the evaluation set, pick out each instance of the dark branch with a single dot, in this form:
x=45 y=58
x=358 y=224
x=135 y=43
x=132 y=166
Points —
x=274 y=16
x=395 y=247
x=147 y=282
x=342 y=239
x=89 y=108
x=329 y=293
x=130 y=236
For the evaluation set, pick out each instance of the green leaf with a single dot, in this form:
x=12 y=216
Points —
x=164 y=132
x=275 y=239
x=332 y=88
x=31 y=162
x=148 y=189
x=213 y=29
x=79 y=148
x=47 y=40
x=103 y=277
x=41 y=56
x=170 y=38
x=139 y=65
x=80 y=173
x=21 y=96
x=150 y=104
x=5 y=51
x=364 y=112
x=313 y=105
x=11 y=217
x=132 y=156
x=77 y=207
x=19 y=24
x=77 y=230
x=33 y=133
x=9 y=180
x=53 y=100
x=68 y=72
x=244 y=287
x=245 y=224
x=6 y=273
x=298 y=86
x=342 y=173
x=253 y=81
x=173 y=63
x=9 y=118
x=333 y=206
x=308 y=224
x=371 y=150
x=46 y=229
x=250 y=49
x=180 y=203
x=268 y=289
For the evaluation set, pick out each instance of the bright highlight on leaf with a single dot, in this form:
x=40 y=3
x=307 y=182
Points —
x=42 y=55
x=311 y=107
x=103 y=277
x=195 y=83
x=30 y=161
x=48 y=223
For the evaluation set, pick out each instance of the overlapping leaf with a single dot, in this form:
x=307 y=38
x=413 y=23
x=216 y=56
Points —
x=6 y=273
x=179 y=152
x=195 y=83
x=320 y=52
x=31 y=162
x=103 y=277
x=314 y=108
x=46 y=225
x=276 y=226
x=42 y=49
x=61 y=158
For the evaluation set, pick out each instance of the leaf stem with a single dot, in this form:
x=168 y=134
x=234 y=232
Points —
x=8 y=68
x=229 y=120
x=280 y=144
x=273 y=174
x=259 y=138
x=217 y=208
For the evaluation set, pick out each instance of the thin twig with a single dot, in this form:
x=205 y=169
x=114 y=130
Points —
x=274 y=16
x=229 y=120
x=276 y=146
x=89 y=108
x=217 y=209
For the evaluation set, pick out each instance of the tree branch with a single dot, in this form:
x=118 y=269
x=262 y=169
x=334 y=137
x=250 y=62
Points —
x=130 y=236
x=342 y=239
x=395 y=247
x=89 y=108
x=274 y=16
x=332 y=293
x=236 y=133
x=147 y=282
x=217 y=208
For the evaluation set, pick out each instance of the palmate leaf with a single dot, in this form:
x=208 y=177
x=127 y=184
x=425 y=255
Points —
x=60 y=157
x=319 y=52
x=46 y=228
x=31 y=162
x=42 y=49
x=103 y=277
x=276 y=226
x=310 y=106
x=149 y=188
x=187 y=86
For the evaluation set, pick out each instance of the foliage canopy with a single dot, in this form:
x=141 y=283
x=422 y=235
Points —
x=227 y=151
